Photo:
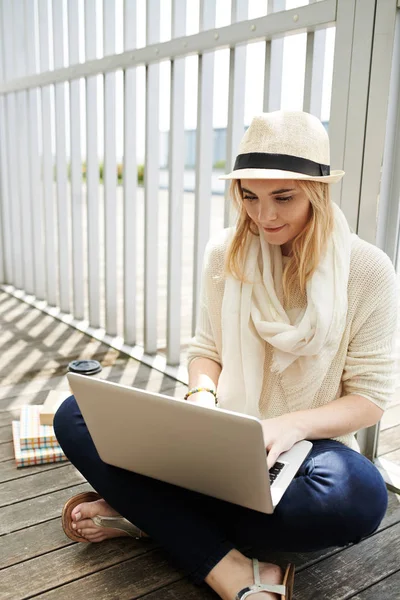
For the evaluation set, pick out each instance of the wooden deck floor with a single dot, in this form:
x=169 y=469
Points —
x=38 y=561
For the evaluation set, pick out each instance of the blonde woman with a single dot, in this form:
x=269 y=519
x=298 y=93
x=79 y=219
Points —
x=296 y=327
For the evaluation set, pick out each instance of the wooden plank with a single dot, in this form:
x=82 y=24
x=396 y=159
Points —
x=182 y=589
x=389 y=440
x=387 y=589
x=352 y=569
x=13 y=414
x=37 y=510
x=391 y=417
x=5 y=434
x=10 y=472
x=393 y=456
x=57 y=568
x=6 y=451
x=39 y=484
x=31 y=542
x=130 y=579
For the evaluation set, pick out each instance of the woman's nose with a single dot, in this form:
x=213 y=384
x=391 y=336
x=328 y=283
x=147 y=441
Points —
x=267 y=212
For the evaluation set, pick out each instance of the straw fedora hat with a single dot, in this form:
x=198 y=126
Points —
x=285 y=145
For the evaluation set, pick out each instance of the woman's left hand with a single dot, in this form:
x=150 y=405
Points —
x=280 y=434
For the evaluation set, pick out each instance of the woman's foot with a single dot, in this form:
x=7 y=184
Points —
x=271 y=574
x=235 y=572
x=82 y=523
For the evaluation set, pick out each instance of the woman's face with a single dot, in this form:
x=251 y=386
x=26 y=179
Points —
x=278 y=206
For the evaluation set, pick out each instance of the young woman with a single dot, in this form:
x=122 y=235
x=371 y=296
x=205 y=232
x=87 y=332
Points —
x=296 y=327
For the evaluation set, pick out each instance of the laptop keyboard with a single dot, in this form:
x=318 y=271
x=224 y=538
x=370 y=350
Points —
x=274 y=471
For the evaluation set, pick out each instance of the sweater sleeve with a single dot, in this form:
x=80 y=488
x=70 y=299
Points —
x=206 y=342
x=370 y=362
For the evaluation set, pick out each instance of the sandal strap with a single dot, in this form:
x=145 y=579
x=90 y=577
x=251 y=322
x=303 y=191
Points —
x=117 y=523
x=258 y=586
x=255 y=589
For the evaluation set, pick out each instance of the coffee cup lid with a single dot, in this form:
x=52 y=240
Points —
x=85 y=367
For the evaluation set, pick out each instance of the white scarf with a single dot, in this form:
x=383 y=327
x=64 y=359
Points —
x=304 y=342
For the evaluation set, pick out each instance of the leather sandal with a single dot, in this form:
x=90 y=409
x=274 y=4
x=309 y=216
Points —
x=113 y=522
x=285 y=590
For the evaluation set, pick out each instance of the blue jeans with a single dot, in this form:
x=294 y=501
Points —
x=337 y=497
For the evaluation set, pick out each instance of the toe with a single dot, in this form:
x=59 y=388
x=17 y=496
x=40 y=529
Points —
x=89 y=532
x=84 y=524
x=76 y=513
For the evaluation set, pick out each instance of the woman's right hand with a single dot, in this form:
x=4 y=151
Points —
x=202 y=399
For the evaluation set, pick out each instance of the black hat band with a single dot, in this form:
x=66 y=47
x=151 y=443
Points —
x=282 y=162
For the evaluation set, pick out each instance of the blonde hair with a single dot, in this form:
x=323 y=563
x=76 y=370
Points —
x=307 y=247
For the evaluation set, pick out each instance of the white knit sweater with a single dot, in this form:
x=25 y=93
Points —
x=365 y=361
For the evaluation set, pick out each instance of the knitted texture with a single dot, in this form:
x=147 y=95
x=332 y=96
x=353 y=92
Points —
x=365 y=361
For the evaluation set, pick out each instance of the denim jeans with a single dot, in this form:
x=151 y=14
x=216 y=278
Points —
x=337 y=497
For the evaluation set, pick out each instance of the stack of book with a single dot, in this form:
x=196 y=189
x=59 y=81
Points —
x=34 y=439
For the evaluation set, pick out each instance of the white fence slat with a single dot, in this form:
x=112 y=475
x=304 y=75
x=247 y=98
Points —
x=47 y=164
x=175 y=192
x=5 y=193
x=151 y=182
x=25 y=191
x=314 y=75
x=23 y=181
x=388 y=226
x=12 y=147
x=109 y=173
x=63 y=203
x=236 y=99
x=34 y=158
x=273 y=65
x=12 y=157
x=5 y=245
x=357 y=109
x=340 y=88
x=130 y=178
x=92 y=170
x=76 y=165
x=204 y=152
x=384 y=30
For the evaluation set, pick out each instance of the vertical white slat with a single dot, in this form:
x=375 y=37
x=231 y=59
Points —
x=273 y=65
x=235 y=129
x=92 y=170
x=357 y=108
x=345 y=17
x=357 y=103
x=204 y=154
x=47 y=164
x=19 y=35
x=379 y=82
x=388 y=225
x=76 y=164
x=5 y=192
x=34 y=161
x=4 y=212
x=63 y=204
x=130 y=178
x=176 y=172
x=110 y=173
x=314 y=75
x=12 y=148
x=151 y=182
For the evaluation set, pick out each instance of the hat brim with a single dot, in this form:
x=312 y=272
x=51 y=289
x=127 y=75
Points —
x=334 y=177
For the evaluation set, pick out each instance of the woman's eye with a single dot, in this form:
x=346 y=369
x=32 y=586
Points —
x=282 y=199
x=250 y=198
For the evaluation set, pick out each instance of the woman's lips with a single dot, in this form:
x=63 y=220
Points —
x=274 y=230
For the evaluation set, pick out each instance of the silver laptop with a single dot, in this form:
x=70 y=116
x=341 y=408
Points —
x=213 y=451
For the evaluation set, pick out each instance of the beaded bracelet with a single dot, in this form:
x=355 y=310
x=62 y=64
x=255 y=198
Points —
x=200 y=389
